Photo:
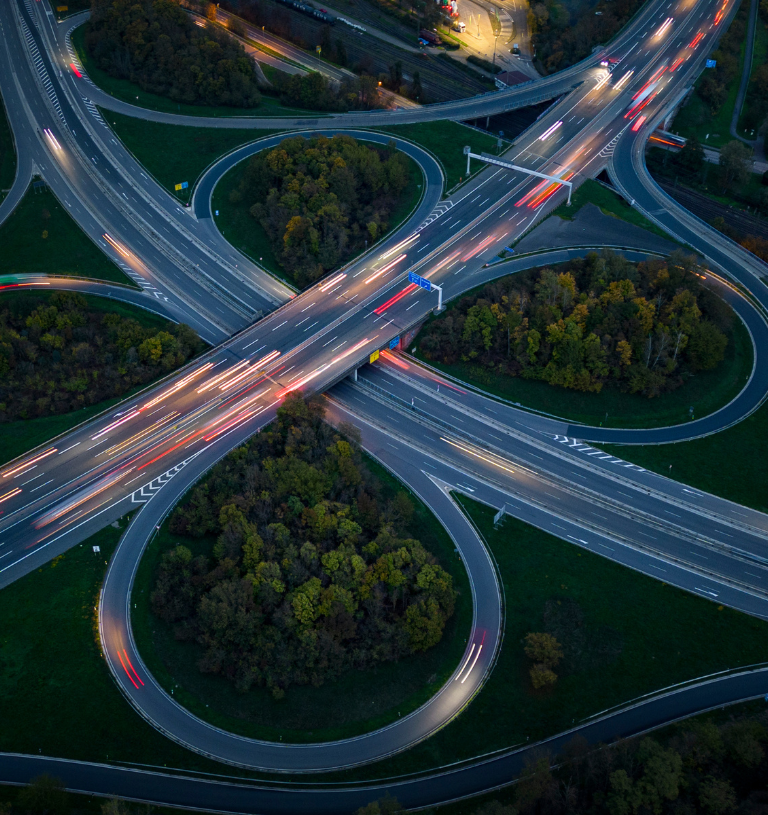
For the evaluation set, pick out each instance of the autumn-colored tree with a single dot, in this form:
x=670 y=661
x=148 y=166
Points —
x=309 y=572
x=58 y=354
x=598 y=321
x=44 y=795
x=544 y=648
x=319 y=200
x=545 y=652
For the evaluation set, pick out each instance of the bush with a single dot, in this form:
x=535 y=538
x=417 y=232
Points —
x=485 y=64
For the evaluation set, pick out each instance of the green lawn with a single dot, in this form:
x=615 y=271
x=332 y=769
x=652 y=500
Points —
x=706 y=392
x=41 y=237
x=355 y=703
x=57 y=694
x=176 y=153
x=732 y=463
x=242 y=230
x=16 y=438
x=131 y=93
x=446 y=141
x=7 y=154
x=695 y=117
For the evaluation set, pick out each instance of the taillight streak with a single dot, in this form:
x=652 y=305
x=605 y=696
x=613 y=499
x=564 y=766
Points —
x=177 y=386
x=115 y=245
x=550 y=130
x=28 y=463
x=392 y=300
x=81 y=497
x=534 y=191
x=127 y=418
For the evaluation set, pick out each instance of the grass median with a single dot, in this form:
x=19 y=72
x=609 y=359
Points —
x=623 y=634
x=446 y=141
x=177 y=153
x=58 y=697
x=732 y=464
x=40 y=237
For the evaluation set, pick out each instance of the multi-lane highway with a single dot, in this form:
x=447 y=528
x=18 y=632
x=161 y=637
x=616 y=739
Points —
x=172 y=433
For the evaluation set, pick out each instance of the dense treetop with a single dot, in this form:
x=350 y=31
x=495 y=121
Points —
x=320 y=199
x=58 y=355
x=156 y=44
x=313 y=571
x=565 y=31
x=594 y=321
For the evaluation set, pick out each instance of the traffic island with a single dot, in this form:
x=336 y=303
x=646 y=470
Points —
x=517 y=339
x=344 y=621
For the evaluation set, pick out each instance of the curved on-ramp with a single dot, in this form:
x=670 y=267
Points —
x=170 y=718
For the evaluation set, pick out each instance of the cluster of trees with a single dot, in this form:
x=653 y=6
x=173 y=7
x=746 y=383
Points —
x=703 y=766
x=156 y=44
x=56 y=355
x=313 y=572
x=564 y=33
x=315 y=92
x=731 y=174
x=47 y=795
x=545 y=652
x=321 y=200
x=595 y=321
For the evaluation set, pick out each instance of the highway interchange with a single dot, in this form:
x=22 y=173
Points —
x=546 y=472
